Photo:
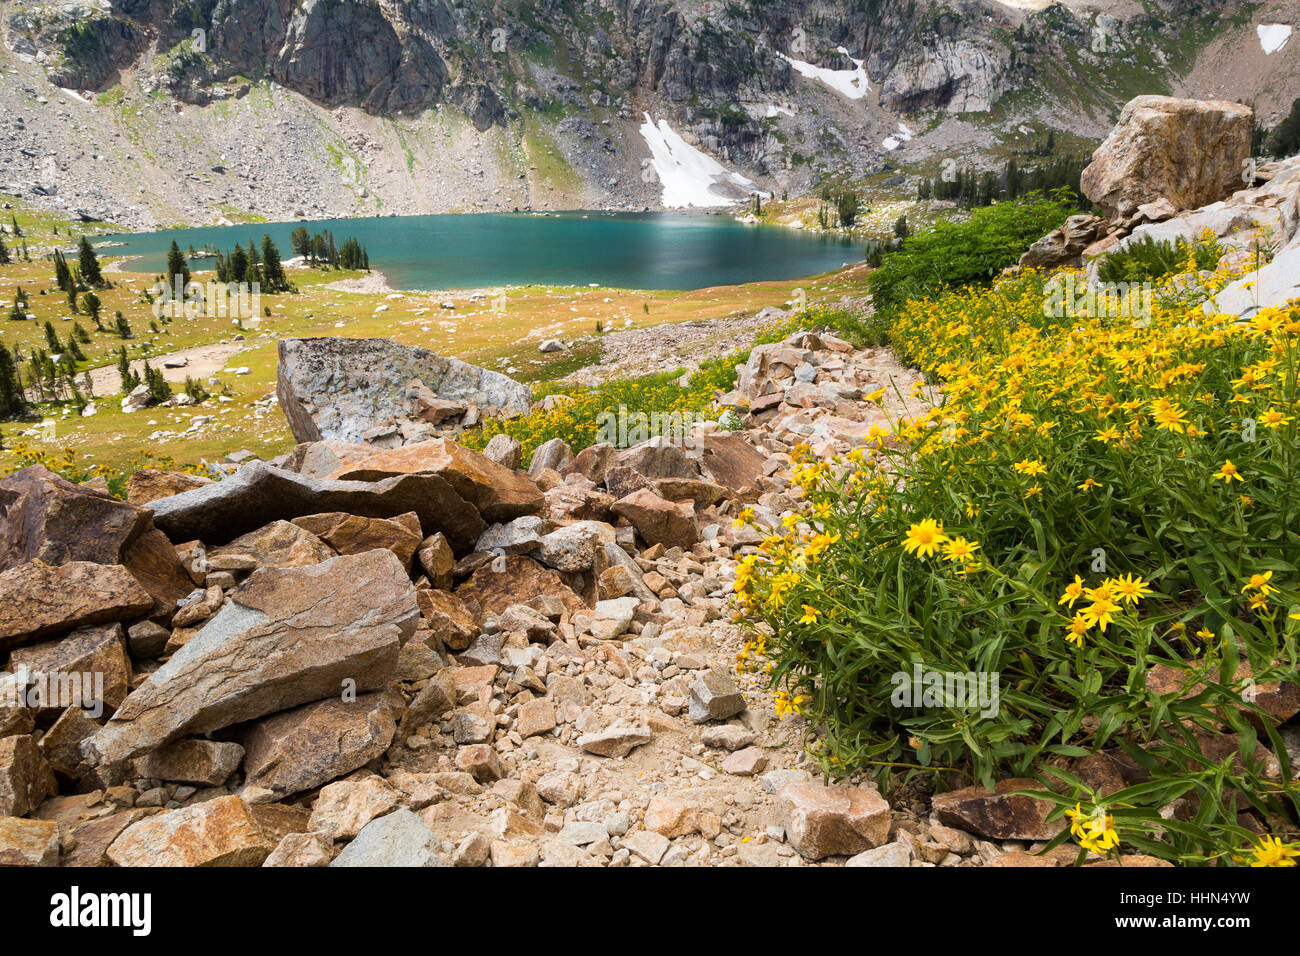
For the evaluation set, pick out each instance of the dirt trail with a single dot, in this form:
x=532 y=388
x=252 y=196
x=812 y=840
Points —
x=201 y=362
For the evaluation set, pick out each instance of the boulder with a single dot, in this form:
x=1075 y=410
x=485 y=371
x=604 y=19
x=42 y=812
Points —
x=1189 y=152
x=28 y=842
x=39 y=600
x=345 y=807
x=437 y=560
x=285 y=637
x=397 y=839
x=90 y=664
x=280 y=544
x=355 y=534
x=552 y=454
x=203 y=763
x=259 y=493
x=61 y=744
x=46 y=518
x=221 y=832
x=499 y=493
x=823 y=821
x=514 y=578
x=998 y=815
x=150 y=484
x=152 y=560
x=659 y=521
x=448 y=618
x=504 y=450
x=1064 y=246
x=337 y=388
x=25 y=776
x=574 y=547
x=303 y=748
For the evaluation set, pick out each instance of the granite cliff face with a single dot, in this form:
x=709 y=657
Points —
x=761 y=86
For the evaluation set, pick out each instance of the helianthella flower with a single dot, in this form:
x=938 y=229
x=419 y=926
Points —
x=1259 y=582
x=924 y=538
x=1228 y=472
x=1270 y=851
x=1073 y=591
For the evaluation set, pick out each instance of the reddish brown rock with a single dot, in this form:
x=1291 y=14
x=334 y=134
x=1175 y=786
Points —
x=448 y=618
x=88 y=668
x=25 y=777
x=286 y=636
x=61 y=744
x=221 y=832
x=154 y=563
x=91 y=840
x=280 y=544
x=303 y=748
x=437 y=561
x=354 y=534
x=46 y=518
x=40 y=600
x=833 y=821
x=203 y=763
x=499 y=493
x=999 y=815
x=28 y=842
x=733 y=463
x=149 y=484
x=515 y=579
x=658 y=521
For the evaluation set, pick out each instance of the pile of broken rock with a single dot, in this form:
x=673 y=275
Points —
x=425 y=655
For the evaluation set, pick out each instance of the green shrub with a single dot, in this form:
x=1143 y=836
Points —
x=1150 y=259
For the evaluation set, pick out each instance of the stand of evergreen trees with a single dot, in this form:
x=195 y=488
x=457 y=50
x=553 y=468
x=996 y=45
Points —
x=321 y=250
x=254 y=265
x=970 y=187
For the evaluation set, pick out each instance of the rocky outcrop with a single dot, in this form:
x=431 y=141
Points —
x=371 y=390
x=1189 y=152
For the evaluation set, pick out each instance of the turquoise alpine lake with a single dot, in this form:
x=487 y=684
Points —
x=616 y=250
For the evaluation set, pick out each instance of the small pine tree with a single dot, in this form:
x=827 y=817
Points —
x=123 y=327
x=62 y=274
x=177 y=266
x=92 y=305
x=5 y=257
x=79 y=334
x=272 y=267
x=17 y=230
x=129 y=378
x=89 y=264
x=52 y=338
x=12 y=402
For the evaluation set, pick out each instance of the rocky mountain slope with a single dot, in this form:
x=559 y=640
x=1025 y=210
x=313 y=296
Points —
x=152 y=112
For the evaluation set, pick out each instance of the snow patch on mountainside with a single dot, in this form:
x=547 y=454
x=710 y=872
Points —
x=1273 y=36
x=848 y=83
x=689 y=176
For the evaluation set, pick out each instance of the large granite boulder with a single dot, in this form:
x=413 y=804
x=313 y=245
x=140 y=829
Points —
x=1189 y=152
x=345 y=389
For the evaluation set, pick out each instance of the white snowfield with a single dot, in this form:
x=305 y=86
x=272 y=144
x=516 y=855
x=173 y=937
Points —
x=852 y=84
x=1273 y=36
x=689 y=176
x=898 y=139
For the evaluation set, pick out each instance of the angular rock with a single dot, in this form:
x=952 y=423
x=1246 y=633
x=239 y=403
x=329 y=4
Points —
x=259 y=493
x=612 y=617
x=28 y=842
x=203 y=763
x=521 y=536
x=748 y=762
x=499 y=493
x=833 y=821
x=480 y=761
x=448 y=618
x=894 y=854
x=25 y=776
x=536 y=716
x=88 y=668
x=616 y=741
x=343 y=808
x=715 y=696
x=287 y=636
x=435 y=699
x=337 y=388
x=552 y=454
x=150 y=484
x=280 y=544
x=39 y=600
x=1187 y=151
x=998 y=815
x=354 y=534
x=733 y=463
x=221 y=832
x=300 y=849
x=658 y=521
x=574 y=547
x=397 y=839
x=504 y=450
x=437 y=559
x=61 y=744
x=46 y=518
x=519 y=578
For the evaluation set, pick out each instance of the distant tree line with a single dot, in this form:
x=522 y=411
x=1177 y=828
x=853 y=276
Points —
x=970 y=187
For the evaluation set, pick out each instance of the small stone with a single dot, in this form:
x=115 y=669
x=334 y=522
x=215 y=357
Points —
x=898 y=853
x=343 y=808
x=774 y=781
x=475 y=849
x=745 y=763
x=300 y=849
x=514 y=854
x=536 y=716
x=28 y=842
x=617 y=741
x=480 y=760
x=647 y=844
x=581 y=833
x=727 y=737
x=833 y=821
x=715 y=696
